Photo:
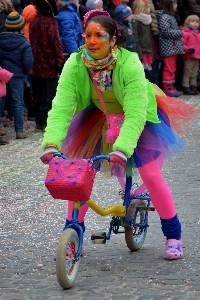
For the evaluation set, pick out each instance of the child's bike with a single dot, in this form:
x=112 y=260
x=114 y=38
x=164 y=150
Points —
x=130 y=218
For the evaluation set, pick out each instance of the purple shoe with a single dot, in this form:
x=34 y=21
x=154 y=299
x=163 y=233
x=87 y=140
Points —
x=173 y=249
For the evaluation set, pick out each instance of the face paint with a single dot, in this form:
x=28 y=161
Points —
x=97 y=40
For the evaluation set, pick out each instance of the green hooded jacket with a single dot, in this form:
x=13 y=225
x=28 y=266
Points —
x=131 y=88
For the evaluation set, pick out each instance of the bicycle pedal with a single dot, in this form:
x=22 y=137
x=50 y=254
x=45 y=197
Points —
x=149 y=208
x=98 y=237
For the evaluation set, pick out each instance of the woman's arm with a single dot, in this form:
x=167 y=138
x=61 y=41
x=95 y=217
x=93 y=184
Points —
x=135 y=101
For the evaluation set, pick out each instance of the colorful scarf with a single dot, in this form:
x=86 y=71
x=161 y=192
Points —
x=101 y=67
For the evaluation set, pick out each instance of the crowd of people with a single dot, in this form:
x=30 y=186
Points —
x=166 y=39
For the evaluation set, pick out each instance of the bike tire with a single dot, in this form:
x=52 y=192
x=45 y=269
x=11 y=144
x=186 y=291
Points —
x=66 y=267
x=135 y=236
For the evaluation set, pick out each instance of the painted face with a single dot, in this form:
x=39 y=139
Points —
x=97 y=40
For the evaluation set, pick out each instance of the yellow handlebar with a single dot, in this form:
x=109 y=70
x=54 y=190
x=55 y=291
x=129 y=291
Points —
x=116 y=210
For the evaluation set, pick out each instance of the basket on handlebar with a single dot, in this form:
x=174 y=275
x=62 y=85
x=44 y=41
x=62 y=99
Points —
x=70 y=179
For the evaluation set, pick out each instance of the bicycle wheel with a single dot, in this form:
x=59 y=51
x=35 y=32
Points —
x=135 y=236
x=66 y=266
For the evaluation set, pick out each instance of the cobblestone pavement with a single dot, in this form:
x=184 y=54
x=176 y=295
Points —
x=32 y=221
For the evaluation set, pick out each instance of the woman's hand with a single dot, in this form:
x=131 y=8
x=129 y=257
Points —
x=48 y=153
x=118 y=158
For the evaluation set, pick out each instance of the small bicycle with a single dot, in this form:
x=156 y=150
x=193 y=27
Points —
x=132 y=216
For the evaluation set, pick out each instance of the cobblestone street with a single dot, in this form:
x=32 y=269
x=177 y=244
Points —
x=31 y=222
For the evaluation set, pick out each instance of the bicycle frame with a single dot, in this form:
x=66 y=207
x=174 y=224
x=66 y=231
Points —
x=118 y=212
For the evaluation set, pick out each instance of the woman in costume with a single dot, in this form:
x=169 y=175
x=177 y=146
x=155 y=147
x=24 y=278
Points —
x=150 y=126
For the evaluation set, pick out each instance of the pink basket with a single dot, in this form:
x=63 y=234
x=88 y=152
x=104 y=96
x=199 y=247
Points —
x=70 y=179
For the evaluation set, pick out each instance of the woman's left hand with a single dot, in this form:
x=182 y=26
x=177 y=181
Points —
x=118 y=157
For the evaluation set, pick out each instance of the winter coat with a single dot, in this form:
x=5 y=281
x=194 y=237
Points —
x=70 y=28
x=4 y=78
x=29 y=13
x=143 y=37
x=189 y=7
x=46 y=46
x=170 y=42
x=191 y=39
x=15 y=54
x=130 y=87
x=130 y=43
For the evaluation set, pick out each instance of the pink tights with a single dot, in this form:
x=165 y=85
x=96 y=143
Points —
x=159 y=191
x=82 y=211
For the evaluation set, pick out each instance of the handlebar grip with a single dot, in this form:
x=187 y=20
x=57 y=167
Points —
x=61 y=155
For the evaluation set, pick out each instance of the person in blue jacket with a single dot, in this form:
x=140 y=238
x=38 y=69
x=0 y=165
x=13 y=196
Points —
x=16 y=57
x=70 y=26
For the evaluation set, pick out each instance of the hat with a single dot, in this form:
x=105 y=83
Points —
x=14 y=22
x=93 y=13
x=46 y=5
x=94 y=4
x=122 y=11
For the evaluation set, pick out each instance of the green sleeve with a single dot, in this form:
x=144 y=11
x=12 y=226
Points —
x=135 y=101
x=63 y=108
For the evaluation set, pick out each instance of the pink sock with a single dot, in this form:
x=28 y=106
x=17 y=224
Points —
x=159 y=191
x=82 y=211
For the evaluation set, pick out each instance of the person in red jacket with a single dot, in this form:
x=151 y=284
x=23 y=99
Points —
x=191 y=43
x=48 y=58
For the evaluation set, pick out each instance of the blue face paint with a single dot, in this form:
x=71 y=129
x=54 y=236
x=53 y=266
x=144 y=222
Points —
x=105 y=35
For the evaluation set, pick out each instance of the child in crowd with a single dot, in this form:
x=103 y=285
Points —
x=170 y=45
x=123 y=16
x=141 y=21
x=16 y=56
x=69 y=26
x=5 y=76
x=113 y=4
x=28 y=13
x=191 y=42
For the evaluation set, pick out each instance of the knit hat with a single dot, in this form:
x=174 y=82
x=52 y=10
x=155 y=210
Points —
x=122 y=11
x=14 y=22
x=94 y=4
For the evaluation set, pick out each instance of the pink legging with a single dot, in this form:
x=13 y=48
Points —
x=159 y=191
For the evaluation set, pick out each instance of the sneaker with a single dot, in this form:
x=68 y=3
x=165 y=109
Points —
x=21 y=135
x=2 y=131
x=3 y=142
x=39 y=127
x=173 y=249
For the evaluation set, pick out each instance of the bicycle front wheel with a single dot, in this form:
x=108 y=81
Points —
x=66 y=266
x=135 y=236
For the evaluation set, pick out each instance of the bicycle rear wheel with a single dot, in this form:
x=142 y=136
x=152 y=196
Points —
x=66 y=266
x=135 y=236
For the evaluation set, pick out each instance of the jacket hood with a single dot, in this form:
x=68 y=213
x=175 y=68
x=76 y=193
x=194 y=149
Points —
x=10 y=41
x=29 y=13
x=71 y=7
